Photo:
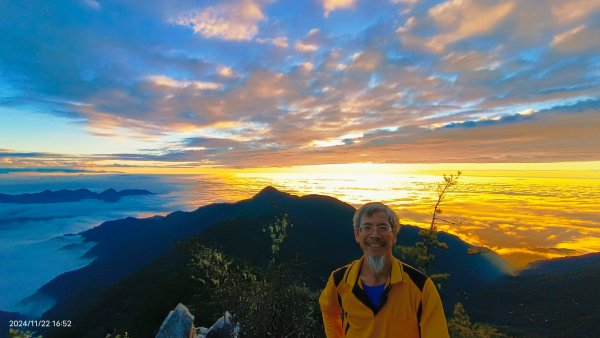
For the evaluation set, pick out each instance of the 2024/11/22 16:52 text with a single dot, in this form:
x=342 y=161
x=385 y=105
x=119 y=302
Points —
x=39 y=323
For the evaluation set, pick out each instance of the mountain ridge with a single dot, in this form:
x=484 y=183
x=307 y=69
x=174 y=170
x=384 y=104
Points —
x=321 y=237
x=65 y=195
x=561 y=265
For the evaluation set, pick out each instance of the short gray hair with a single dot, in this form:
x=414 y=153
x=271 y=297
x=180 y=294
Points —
x=373 y=207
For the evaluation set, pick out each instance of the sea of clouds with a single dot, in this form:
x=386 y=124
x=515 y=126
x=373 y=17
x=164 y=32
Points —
x=40 y=241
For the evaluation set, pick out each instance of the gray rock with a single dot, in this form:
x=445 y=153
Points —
x=224 y=328
x=178 y=324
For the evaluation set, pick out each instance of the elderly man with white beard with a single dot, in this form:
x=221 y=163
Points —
x=379 y=296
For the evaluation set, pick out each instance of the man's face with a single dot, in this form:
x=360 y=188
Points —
x=376 y=243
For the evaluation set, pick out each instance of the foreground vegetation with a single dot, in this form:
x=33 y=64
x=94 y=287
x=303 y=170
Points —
x=266 y=302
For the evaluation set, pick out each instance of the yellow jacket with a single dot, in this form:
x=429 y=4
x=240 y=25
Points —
x=411 y=306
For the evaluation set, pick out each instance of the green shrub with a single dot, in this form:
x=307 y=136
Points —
x=460 y=326
x=267 y=302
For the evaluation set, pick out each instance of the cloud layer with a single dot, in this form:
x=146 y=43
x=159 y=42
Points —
x=247 y=83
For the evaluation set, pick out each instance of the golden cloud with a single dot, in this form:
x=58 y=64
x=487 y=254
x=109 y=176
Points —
x=332 y=5
x=229 y=21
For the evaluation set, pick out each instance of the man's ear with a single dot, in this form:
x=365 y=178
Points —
x=356 y=235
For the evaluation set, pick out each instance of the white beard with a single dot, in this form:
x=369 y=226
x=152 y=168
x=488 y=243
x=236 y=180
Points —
x=376 y=263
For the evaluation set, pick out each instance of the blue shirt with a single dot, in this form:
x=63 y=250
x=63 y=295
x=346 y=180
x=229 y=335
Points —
x=374 y=293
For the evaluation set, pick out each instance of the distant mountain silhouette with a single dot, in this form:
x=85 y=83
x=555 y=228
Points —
x=560 y=265
x=64 y=195
x=321 y=237
x=556 y=298
x=468 y=272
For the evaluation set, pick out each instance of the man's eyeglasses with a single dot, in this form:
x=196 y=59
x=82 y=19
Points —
x=381 y=229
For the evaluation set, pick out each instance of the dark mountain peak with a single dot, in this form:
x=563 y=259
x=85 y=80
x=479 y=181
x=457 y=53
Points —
x=270 y=192
x=269 y=189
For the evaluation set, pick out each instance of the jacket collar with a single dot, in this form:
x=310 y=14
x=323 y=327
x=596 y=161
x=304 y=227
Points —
x=353 y=272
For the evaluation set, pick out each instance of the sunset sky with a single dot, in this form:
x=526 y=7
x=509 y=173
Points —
x=171 y=86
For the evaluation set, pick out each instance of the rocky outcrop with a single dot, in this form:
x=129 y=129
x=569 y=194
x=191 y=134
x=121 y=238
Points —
x=222 y=328
x=178 y=324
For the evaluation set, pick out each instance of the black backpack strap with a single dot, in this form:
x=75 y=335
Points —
x=419 y=279
x=338 y=275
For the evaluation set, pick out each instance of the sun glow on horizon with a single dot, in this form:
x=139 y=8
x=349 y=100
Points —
x=524 y=212
x=582 y=169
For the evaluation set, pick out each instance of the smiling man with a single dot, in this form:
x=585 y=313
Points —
x=379 y=296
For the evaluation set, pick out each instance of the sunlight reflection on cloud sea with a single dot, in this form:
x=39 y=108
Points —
x=523 y=217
